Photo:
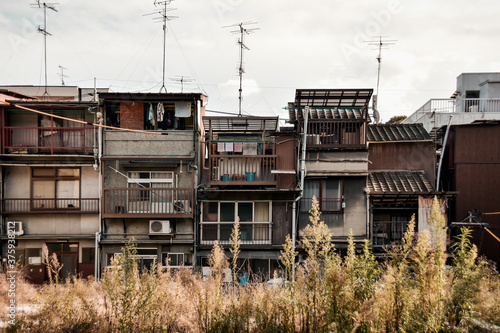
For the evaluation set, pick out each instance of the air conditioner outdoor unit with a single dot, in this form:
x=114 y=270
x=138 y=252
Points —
x=182 y=207
x=157 y=227
x=18 y=228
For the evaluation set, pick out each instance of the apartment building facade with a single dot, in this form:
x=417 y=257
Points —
x=49 y=182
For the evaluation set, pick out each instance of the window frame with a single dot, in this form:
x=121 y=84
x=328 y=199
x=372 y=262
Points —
x=304 y=208
x=55 y=178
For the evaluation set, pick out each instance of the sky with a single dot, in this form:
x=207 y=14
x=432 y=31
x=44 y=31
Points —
x=296 y=45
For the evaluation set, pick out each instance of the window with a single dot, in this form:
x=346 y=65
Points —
x=88 y=255
x=328 y=191
x=173 y=259
x=218 y=220
x=142 y=198
x=55 y=188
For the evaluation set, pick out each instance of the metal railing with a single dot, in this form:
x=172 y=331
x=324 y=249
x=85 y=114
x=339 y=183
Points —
x=48 y=140
x=388 y=233
x=160 y=202
x=336 y=134
x=325 y=204
x=242 y=169
x=451 y=105
x=51 y=205
x=251 y=233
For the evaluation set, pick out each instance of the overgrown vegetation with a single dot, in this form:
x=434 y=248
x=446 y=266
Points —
x=412 y=291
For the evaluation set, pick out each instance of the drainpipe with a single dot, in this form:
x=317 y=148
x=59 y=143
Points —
x=97 y=254
x=442 y=154
x=302 y=175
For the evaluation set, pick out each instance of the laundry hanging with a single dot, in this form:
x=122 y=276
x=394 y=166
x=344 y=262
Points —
x=183 y=109
x=151 y=114
x=160 y=111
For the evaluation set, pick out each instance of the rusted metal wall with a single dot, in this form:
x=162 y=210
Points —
x=286 y=160
x=403 y=156
x=476 y=152
x=282 y=222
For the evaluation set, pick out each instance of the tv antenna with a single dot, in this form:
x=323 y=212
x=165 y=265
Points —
x=242 y=31
x=181 y=80
x=44 y=32
x=163 y=18
x=62 y=75
x=381 y=43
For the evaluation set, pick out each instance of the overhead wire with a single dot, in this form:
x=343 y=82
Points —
x=82 y=121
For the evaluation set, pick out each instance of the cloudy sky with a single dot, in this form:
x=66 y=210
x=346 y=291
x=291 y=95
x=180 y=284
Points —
x=298 y=44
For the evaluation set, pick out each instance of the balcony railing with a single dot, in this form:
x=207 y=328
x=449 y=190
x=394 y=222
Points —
x=335 y=134
x=51 y=205
x=388 y=233
x=251 y=233
x=48 y=140
x=148 y=202
x=451 y=105
x=242 y=170
x=325 y=204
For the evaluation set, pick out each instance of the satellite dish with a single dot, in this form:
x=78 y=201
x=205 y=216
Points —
x=376 y=116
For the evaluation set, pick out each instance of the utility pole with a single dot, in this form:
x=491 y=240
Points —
x=242 y=31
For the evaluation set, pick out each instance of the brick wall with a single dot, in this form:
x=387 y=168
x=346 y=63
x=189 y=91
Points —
x=132 y=115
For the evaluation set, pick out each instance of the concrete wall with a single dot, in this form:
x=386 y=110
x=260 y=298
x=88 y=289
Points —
x=331 y=162
x=471 y=81
x=122 y=143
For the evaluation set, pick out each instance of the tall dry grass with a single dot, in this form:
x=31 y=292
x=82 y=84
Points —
x=412 y=291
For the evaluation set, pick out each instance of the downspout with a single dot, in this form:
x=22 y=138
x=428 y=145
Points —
x=438 y=179
x=196 y=160
x=302 y=175
x=97 y=165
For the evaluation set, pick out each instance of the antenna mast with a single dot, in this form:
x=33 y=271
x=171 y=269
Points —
x=181 y=80
x=242 y=31
x=381 y=44
x=162 y=5
x=62 y=75
x=44 y=32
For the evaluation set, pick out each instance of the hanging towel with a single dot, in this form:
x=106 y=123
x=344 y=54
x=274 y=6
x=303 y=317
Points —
x=220 y=147
x=183 y=109
x=229 y=146
x=160 y=111
x=238 y=147
x=151 y=114
x=250 y=148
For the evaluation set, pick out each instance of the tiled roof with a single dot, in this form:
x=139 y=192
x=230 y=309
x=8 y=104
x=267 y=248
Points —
x=397 y=132
x=327 y=113
x=399 y=182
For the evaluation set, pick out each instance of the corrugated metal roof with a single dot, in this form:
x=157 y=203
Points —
x=332 y=113
x=399 y=182
x=241 y=124
x=332 y=97
x=397 y=132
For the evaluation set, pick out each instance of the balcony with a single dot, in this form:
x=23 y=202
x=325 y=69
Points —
x=460 y=105
x=51 y=205
x=48 y=140
x=326 y=205
x=388 y=233
x=242 y=170
x=327 y=133
x=148 y=202
x=251 y=233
